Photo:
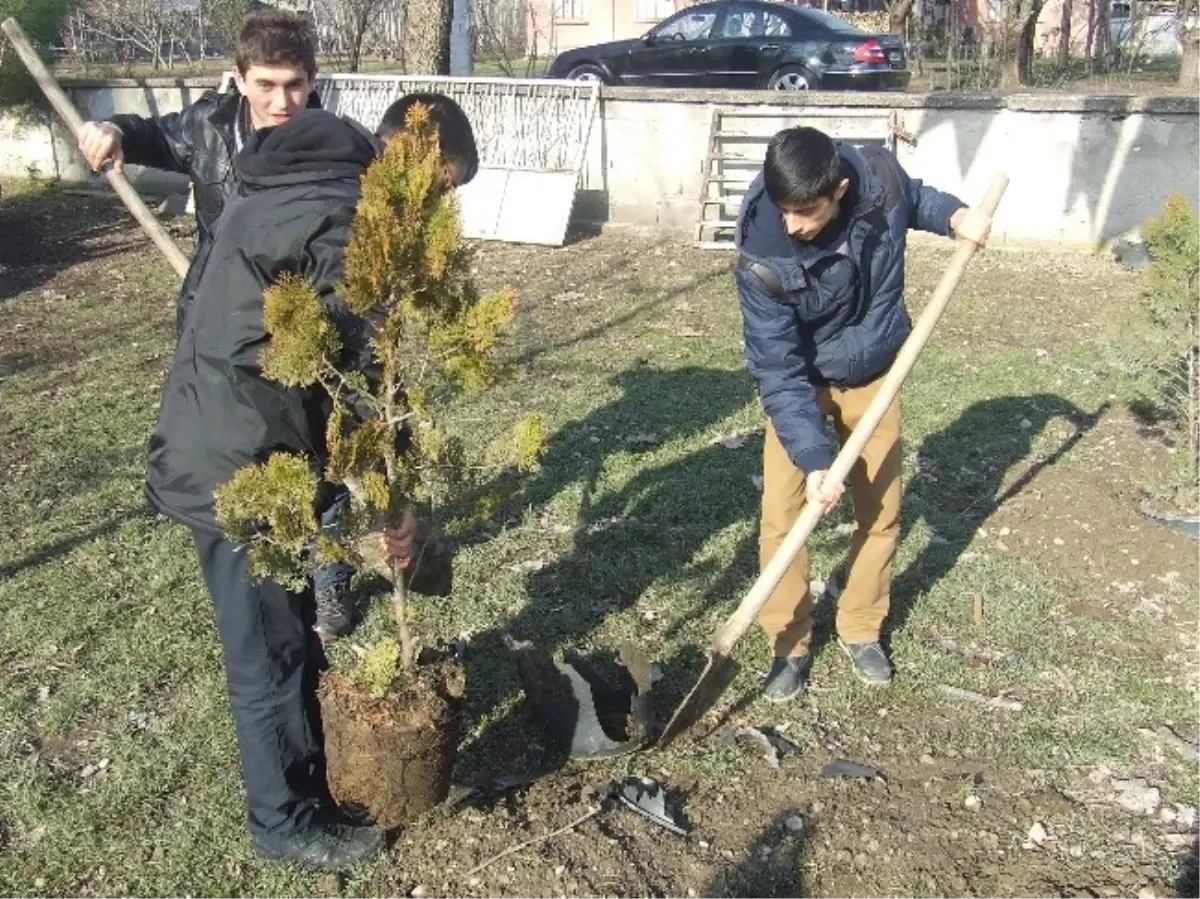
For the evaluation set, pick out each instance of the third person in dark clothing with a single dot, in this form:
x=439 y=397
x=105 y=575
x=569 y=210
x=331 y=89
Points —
x=299 y=188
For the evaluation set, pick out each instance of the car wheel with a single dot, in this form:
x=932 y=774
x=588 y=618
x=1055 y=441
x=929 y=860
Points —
x=587 y=72
x=792 y=78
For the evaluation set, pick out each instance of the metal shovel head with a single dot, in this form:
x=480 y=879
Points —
x=585 y=712
x=718 y=674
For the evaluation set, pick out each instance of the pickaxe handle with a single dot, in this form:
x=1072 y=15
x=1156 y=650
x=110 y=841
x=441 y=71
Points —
x=736 y=626
x=62 y=105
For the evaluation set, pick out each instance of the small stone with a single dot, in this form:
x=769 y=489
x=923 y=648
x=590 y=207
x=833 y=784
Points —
x=559 y=869
x=1186 y=816
x=873 y=846
x=972 y=802
x=1037 y=833
x=1075 y=852
x=927 y=759
x=817 y=806
x=1004 y=532
x=475 y=883
x=1137 y=796
x=691 y=893
x=1166 y=815
x=39 y=882
x=1149 y=892
x=88 y=771
x=861 y=860
x=794 y=823
x=703 y=844
x=417 y=892
x=1026 y=424
x=1059 y=541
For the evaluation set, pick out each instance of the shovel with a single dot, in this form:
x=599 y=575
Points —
x=721 y=668
x=70 y=116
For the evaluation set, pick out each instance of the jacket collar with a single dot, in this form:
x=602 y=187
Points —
x=761 y=235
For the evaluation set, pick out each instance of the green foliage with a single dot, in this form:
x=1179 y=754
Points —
x=303 y=338
x=1170 y=298
x=42 y=21
x=1169 y=290
x=378 y=667
x=271 y=508
x=529 y=443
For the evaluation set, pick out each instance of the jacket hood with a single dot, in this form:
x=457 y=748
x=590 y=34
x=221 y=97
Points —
x=760 y=231
x=313 y=145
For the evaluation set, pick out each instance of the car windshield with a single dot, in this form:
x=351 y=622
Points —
x=830 y=22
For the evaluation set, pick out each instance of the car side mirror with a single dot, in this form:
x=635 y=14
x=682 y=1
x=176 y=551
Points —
x=648 y=39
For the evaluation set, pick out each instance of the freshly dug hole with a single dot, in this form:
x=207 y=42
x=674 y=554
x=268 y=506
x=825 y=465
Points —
x=394 y=755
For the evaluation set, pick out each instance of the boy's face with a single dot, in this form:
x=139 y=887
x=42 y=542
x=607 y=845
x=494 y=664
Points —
x=452 y=174
x=806 y=221
x=274 y=93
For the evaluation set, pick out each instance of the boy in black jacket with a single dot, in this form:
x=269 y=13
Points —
x=298 y=191
x=820 y=281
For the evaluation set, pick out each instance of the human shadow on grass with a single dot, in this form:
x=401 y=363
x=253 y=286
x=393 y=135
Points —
x=644 y=534
x=58 y=549
x=1187 y=882
x=960 y=482
x=45 y=232
x=772 y=866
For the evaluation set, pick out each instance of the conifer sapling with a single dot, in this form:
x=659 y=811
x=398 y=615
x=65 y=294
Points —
x=407 y=282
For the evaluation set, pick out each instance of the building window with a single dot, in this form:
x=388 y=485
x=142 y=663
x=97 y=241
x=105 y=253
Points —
x=654 y=10
x=571 y=10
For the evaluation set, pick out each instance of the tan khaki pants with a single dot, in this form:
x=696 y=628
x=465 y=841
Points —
x=874 y=488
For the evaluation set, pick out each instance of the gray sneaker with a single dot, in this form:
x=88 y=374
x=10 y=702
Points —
x=870 y=662
x=786 y=678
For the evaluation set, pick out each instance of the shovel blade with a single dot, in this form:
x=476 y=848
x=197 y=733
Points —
x=718 y=674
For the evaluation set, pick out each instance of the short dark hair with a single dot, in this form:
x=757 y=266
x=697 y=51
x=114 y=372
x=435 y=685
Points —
x=455 y=135
x=276 y=37
x=802 y=165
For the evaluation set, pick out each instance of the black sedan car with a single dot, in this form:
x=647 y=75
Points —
x=746 y=44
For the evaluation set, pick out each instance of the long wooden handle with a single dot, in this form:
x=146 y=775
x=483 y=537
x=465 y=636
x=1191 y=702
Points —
x=736 y=626
x=62 y=105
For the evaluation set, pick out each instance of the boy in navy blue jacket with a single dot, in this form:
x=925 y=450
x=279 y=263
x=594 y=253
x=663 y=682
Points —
x=820 y=279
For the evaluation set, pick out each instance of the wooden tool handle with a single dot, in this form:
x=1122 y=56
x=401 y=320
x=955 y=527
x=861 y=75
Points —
x=62 y=105
x=736 y=626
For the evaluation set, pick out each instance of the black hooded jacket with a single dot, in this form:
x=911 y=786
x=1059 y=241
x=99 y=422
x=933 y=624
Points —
x=199 y=141
x=293 y=212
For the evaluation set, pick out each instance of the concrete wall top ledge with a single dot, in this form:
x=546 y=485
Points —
x=1117 y=104
x=192 y=81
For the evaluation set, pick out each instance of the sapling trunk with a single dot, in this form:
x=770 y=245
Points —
x=400 y=609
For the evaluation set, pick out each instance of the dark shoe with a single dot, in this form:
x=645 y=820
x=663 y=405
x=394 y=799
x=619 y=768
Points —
x=335 y=607
x=786 y=678
x=330 y=847
x=870 y=662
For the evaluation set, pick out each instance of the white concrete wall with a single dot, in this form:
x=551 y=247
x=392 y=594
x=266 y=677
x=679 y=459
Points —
x=1073 y=161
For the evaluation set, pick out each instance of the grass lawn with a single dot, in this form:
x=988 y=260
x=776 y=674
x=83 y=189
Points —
x=1025 y=572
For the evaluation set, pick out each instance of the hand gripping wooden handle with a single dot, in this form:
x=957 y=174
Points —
x=736 y=626
x=67 y=112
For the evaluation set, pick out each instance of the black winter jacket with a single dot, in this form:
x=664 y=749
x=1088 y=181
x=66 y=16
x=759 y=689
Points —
x=293 y=212
x=840 y=316
x=199 y=141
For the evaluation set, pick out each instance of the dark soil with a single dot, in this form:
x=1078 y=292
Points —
x=393 y=756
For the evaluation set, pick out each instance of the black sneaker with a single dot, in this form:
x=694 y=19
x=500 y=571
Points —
x=330 y=847
x=335 y=609
x=786 y=678
x=870 y=662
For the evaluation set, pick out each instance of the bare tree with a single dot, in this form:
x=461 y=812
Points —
x=350 y=21
x=898 y=13
x=502 y=33
x=1021 y=23
x=427 y=42
x=1189 y=38
x=135 y=25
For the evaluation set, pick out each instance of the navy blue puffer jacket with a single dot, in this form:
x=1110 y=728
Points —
x=840 y=317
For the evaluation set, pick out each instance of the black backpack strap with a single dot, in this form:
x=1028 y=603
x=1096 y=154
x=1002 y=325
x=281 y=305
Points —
x=886 y=169
x=766 y=275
